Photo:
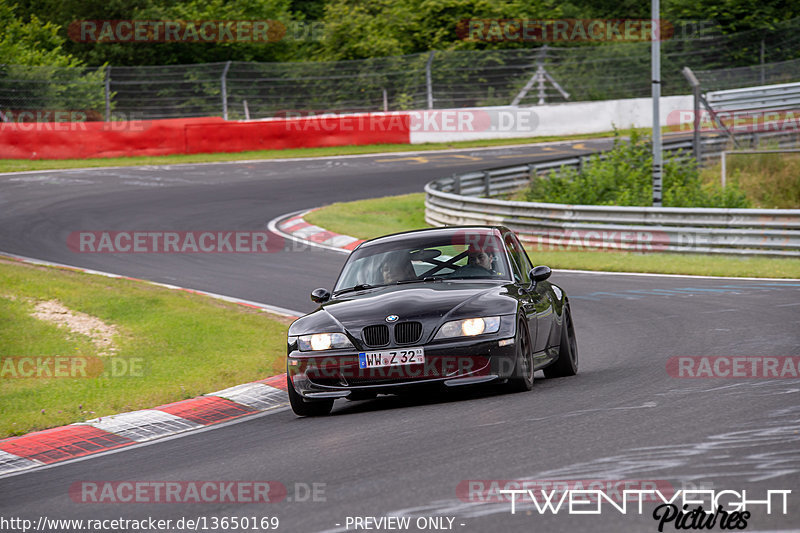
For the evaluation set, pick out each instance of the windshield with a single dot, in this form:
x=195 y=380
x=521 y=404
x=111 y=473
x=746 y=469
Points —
x=446 y=256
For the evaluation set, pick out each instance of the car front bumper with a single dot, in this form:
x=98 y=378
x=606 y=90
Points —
x=462 y=361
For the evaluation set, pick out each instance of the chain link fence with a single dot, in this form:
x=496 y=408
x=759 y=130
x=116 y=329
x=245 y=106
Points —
x=441 y=79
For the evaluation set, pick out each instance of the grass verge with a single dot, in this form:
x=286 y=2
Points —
x=771 y=181
x=171 y=345
x=366 y=219
x=371 y=218
x=21 y=165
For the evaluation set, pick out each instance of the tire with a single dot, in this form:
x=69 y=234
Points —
x=567 y=362
x=522 y=379
x=304 y=408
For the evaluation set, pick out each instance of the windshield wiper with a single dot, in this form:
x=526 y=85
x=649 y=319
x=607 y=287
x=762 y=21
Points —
x=359 y=287
x=422 y=280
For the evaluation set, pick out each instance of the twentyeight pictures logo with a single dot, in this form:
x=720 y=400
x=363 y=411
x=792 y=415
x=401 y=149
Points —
x=684 y=509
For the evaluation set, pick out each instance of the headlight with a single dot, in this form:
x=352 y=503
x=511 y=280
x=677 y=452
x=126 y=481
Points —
x=323 y=341
x=469 y=327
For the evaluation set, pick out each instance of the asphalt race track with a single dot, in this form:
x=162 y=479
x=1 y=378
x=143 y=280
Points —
x=624 y=417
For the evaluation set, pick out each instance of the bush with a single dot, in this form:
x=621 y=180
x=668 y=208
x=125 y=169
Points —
x=623 y=177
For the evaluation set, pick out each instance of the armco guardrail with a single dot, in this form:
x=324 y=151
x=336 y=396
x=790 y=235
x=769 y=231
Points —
x=765 y=97
x=467 y=199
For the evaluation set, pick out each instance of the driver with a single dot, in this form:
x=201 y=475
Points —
x=479 y=264
x=480 y=259
x=396 y=268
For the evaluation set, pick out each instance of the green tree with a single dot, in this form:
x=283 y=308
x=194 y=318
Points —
x=37 y=72
x=33 y=42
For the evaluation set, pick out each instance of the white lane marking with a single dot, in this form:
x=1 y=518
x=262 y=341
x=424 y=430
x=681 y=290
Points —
x=320 y=157
x=289 y=313
x=645 y=405
x=650 y=274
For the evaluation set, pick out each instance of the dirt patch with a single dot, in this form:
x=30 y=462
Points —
x=101 y=334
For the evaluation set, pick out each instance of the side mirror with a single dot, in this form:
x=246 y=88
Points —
x=540 y=273
x=320 y=296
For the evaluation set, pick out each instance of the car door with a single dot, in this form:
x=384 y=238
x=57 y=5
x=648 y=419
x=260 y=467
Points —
x=536 y=301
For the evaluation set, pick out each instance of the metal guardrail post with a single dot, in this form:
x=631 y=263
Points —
x=429 y=79
x=224 y=84
x=108 y=93
x=456 y=183
x=487 y=184
x=655 y=63
x=695 y=83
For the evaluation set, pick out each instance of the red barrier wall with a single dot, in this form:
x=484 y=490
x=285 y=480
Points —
x=78 y=140
x=309 y=132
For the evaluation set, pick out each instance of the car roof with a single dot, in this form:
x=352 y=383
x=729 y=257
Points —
x=413 y=235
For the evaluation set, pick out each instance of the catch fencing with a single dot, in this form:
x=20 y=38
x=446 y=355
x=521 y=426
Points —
x=431 y=80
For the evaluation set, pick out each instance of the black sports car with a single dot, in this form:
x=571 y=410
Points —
x=444 y=307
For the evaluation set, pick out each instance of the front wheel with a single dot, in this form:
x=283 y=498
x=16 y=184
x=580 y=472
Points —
x=522 y=380
x=567 y=362
x=304 y=408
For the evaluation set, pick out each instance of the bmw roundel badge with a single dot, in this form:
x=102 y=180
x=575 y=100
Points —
x=392 y=318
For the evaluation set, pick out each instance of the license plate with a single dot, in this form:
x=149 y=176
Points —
x=405 y=356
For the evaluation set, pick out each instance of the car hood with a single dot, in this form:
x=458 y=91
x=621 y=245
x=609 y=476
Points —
x=433 y=301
